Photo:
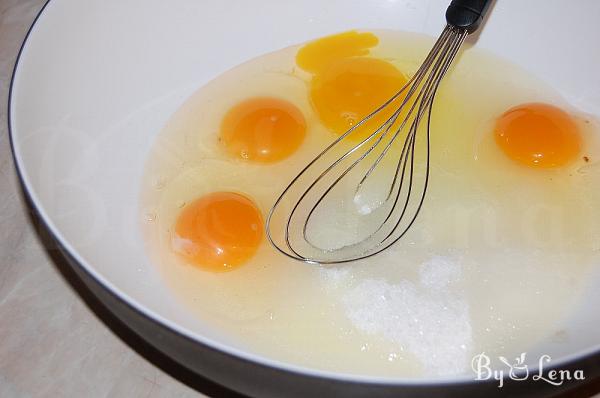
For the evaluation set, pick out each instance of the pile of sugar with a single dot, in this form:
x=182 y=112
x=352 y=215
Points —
x=428 y=317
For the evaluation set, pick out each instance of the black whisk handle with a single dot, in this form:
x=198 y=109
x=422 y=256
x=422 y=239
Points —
x=467 y=14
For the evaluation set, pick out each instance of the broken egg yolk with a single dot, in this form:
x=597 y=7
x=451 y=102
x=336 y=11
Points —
x=219 y=231
x=538 y=135
x=263 y=129
x=347 y=85
x=317 y=55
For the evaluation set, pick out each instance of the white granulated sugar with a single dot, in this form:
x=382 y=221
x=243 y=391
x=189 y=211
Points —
x=366 y=205
x=335 y=277
x=428 y=317
x=332 y=228
x=440 y=272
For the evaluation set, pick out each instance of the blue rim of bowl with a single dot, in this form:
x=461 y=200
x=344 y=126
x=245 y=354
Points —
x=251 y=359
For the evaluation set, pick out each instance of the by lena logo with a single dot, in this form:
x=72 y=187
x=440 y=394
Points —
x=519 y=370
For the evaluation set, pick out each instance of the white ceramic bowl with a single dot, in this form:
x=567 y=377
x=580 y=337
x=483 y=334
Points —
x=96 y=80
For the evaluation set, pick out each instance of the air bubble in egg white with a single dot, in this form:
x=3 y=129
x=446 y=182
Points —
x=158 y=182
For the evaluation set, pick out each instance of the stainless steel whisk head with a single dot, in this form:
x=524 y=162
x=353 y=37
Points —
x=363 y=192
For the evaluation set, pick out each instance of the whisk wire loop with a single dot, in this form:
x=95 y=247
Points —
x=317 y=181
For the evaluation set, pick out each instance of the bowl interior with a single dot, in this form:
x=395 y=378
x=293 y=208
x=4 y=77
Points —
x=97 y=81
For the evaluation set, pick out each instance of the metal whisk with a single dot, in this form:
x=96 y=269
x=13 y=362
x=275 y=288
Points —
x=363 y=192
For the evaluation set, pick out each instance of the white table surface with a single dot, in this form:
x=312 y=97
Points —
x=54 y=338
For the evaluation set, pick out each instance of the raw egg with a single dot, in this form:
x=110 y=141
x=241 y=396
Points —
x=219 y=231
x=352 y=88
x=315 y=56
x=346 y=85
x=492 y=235
x=538 y=135
x=263 y=129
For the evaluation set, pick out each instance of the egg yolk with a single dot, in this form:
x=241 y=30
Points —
x=263 y=129
x=347 y=85
x=219 y=231
x=352 y=88
x=316 y=55
x=538 y=135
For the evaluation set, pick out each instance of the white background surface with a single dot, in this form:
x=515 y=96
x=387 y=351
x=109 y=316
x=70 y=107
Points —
x=51 y=343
